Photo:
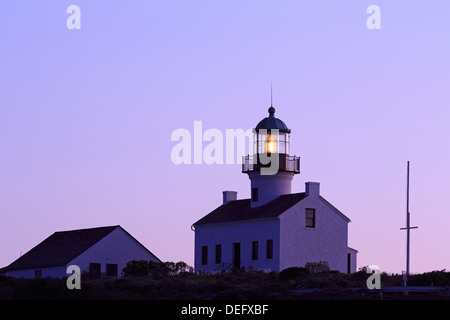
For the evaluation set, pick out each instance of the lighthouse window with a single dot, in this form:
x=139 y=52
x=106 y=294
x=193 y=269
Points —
x=254 y=194
x=310 y=218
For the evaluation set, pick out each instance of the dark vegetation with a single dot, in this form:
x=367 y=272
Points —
x=168 y=281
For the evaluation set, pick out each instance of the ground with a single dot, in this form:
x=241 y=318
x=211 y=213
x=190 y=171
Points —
x=159 y=284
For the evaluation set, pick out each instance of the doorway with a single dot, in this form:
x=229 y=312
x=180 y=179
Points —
x=236 y=255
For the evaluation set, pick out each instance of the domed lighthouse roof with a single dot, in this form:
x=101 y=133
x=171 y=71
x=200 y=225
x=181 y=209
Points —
x=271 y=123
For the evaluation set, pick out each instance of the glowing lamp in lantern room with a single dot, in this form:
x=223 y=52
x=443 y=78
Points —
x=272 y=144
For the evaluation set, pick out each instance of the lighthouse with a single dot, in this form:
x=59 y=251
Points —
x=275 y=228
x=270 y=167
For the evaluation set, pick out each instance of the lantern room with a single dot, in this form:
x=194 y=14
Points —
x=272 y=136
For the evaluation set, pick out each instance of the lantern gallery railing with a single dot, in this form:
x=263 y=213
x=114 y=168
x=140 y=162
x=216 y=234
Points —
x=286 y=163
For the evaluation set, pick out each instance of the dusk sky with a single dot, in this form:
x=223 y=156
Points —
x=86 y=116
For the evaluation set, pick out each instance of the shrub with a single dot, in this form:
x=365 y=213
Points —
x=293 y=273
x=317 y=267
x=155 y=270
x=136 y=268
x=433 y=278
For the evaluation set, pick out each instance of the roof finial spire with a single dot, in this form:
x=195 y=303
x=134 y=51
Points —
x=271 y=96
x=271 y=109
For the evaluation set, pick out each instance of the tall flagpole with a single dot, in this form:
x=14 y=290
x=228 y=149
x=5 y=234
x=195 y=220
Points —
x=407 y=220
x=408 y=227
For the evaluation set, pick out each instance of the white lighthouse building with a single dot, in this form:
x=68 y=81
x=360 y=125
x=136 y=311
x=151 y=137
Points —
x=275 y=229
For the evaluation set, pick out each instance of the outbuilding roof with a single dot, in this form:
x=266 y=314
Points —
x=61 y=247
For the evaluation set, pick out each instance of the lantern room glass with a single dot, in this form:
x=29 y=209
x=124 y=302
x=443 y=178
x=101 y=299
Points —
x=272 y=142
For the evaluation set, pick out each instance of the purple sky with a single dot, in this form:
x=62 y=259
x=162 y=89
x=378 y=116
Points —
x=86 y=116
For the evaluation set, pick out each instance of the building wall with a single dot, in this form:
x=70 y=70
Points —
x=353 y=260
x=54 y=272
x=270 y=187
x=244 y=232
x=326 y=242
x=116 y=248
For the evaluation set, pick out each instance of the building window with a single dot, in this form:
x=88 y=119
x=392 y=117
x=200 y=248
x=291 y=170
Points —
x=218 y=253
x=204 y=255
x=310 y=218
x=269 y=249
x=111 y=270
x=254 y=194
x=254 y=250
x=38 y=273
x=94 y=269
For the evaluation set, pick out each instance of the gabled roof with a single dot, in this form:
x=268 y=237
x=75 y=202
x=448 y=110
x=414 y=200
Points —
x=61 y=247
x=240 y=210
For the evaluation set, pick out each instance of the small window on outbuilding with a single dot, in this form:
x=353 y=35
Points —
x=111 y=270
x=94 y=269
x=38 y=273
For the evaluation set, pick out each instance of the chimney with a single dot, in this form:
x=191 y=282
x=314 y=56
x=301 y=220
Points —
x=229 y=196
x=312 y=189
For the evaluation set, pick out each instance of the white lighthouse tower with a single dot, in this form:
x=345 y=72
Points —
x=270 y=168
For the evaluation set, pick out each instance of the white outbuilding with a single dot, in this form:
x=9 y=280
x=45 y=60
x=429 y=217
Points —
x=102 y=251
x=274 y=229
